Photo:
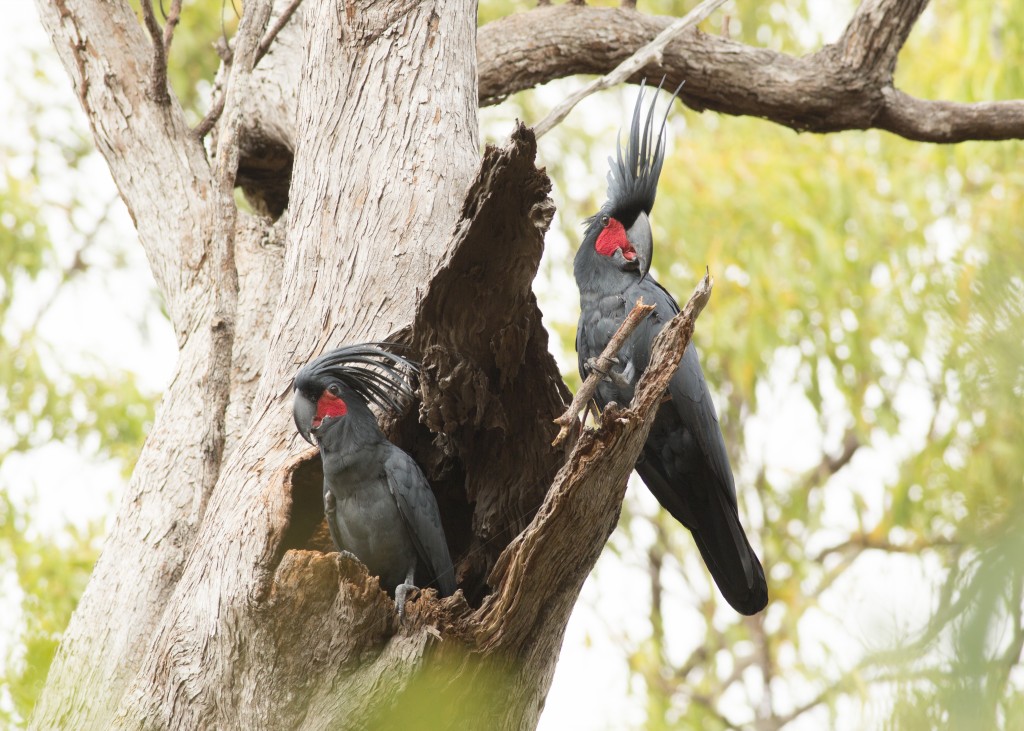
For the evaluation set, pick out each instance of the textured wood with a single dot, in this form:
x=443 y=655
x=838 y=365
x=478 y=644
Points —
x=843 y=86
x=167 y=184
x=381 y=230
x=490 y=387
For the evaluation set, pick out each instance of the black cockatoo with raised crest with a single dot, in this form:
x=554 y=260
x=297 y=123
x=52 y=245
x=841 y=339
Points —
x=378 y=504
x=684 y=462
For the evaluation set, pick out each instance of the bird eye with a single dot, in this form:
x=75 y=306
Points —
x=604 y=220
x=333 y=388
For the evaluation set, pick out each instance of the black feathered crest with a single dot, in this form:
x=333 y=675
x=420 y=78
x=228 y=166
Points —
x=633 y=179
x=373 y=373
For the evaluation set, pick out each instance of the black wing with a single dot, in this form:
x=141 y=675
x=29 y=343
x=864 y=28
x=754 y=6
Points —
x=686 y=466
x=419 y=511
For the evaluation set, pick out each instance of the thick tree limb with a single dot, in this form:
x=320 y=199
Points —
x=225 y=273
x=631 y=66
x=876 y=33
x=842 y=86
x=940 y=121
x=160 y=169
x=604 y=364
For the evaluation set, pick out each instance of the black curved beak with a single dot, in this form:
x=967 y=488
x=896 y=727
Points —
x=639 y=235
x=304 y=412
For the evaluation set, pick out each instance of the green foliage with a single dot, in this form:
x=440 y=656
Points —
x=48 y=395
x=870 y=299
x=51 y=576
x=436 y=696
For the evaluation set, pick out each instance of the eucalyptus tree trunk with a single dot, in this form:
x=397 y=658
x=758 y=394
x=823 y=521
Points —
x=218 y=601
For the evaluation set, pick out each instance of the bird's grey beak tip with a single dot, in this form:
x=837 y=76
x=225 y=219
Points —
x=303 y=411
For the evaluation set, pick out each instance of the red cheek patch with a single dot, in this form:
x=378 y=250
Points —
x=329 y=407
x=612 y=238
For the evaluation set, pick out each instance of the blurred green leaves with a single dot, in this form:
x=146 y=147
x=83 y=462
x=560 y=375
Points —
x=869 y=309
x=50 y=394
x=865 y=346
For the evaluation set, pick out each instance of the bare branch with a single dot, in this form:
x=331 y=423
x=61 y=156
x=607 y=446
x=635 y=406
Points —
x=870 y=541
x=271 y=34
x=840 y=87
x=604 y=363
x=172 y=22
x=876 y=33
x=158 y=74
x=630 y=66
x=941 y=121
x=206 y=123
x=829 y=465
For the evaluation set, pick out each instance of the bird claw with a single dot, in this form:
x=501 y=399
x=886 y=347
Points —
x=348 y=555
x=618 y=379
x=401 y=592
x=593 y=367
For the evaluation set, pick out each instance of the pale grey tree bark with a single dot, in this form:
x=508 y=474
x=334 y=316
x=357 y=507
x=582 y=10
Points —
x=215 y=602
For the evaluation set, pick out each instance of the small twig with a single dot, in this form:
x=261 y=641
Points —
x=77 y=264
x=170 y=25
x=630 y=66
x=158 y=80
x=271 y=34
x=206 y=123
x=604 y=363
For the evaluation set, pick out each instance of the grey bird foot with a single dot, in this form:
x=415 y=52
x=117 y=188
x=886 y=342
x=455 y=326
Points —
x=348 y=555
x=331 y=512
x=618 y=379
x=401 y=593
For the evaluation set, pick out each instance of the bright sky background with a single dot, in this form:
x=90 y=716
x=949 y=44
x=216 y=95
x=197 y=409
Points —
x=98 y=320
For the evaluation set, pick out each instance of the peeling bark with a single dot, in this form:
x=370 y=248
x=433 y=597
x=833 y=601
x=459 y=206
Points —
x=490 y=386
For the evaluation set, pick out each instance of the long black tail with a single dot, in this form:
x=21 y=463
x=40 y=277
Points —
x=731 y=560
x=704 y=508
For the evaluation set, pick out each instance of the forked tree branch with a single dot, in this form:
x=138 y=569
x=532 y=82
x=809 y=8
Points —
x=848 y=85
x=271 y=34
x=158 y=73
x=172 y=22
